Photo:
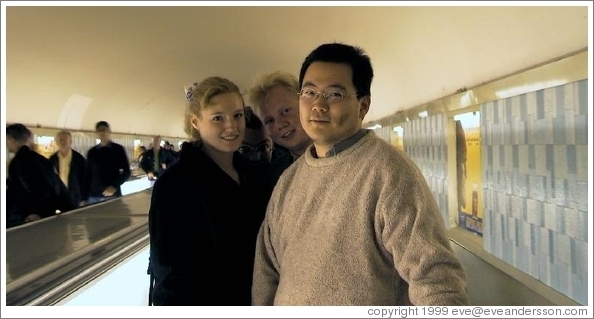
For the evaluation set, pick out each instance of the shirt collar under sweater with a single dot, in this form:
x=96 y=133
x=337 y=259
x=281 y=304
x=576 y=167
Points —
x=355 y=141
x=343 y=145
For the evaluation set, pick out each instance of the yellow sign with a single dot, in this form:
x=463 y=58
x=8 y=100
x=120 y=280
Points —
x=468 y=160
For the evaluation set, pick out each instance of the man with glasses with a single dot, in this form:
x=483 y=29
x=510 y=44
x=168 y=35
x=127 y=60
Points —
x=352 y=221
x=257 y=146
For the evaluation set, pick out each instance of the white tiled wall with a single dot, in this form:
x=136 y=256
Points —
x=425 y=142
x=545 y=181
x=535 y=181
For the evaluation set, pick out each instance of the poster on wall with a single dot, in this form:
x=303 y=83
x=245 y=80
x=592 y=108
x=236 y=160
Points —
x=468 y=167
x=396 y=137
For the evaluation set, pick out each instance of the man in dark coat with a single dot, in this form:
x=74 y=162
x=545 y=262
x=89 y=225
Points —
x=70 y=166
x=33 y=188
x=107 y=167
x=156 y=159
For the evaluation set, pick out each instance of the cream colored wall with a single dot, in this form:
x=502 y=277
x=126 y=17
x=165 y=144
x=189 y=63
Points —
x=110 y=63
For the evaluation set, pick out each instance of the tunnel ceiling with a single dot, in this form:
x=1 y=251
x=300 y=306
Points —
x=69 y=67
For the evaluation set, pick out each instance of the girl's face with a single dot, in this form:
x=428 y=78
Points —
x=221 y=124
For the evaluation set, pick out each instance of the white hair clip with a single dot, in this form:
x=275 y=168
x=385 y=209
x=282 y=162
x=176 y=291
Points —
x=189 y=90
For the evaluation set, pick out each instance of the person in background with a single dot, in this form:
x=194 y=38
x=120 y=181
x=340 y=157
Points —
x=273 y=97
x=257 y=146
x=141 y=149
x=171 y=148
x=342 y=229
x=207 y=208
x=33 y=188
x=156 y=160
x=71 y=166
x=107 y=167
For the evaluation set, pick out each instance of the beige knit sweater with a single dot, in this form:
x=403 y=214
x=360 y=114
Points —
x=358 y=228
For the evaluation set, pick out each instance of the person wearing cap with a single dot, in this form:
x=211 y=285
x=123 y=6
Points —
x=107 y=167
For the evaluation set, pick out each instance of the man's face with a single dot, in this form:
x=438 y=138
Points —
x=64 y=141
x=103 y=133
x=256 y=146
x=329 y=122
x=11 y=144
x=156 y=142
x=280 y=116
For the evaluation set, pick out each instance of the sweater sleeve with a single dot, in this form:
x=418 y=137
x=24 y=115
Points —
x=413 y=231
x=266 y=269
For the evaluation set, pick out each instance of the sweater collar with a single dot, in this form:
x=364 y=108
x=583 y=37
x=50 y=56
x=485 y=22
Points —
x=324 y=161
x=342 y=145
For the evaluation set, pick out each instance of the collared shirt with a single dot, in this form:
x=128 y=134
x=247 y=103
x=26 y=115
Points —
x=64 y=161
x=343 y=145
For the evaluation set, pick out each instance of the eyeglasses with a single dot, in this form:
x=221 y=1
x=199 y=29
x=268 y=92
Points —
x=248 y=150
x=309 y=95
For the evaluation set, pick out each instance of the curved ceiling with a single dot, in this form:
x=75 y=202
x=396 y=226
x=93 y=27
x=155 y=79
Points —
x=69 y=67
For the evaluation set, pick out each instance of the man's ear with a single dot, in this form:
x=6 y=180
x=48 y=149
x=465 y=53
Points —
x=364 y=103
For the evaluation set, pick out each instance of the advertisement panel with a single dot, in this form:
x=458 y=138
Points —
x=468 y=166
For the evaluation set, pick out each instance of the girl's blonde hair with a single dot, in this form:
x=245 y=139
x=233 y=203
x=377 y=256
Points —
x=199 y=98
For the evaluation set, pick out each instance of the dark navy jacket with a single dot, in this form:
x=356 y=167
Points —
x=203 y=227
x=165 y=157
x=280 y=161
x=76 y=176
x=106 y=166
x=33 y=187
